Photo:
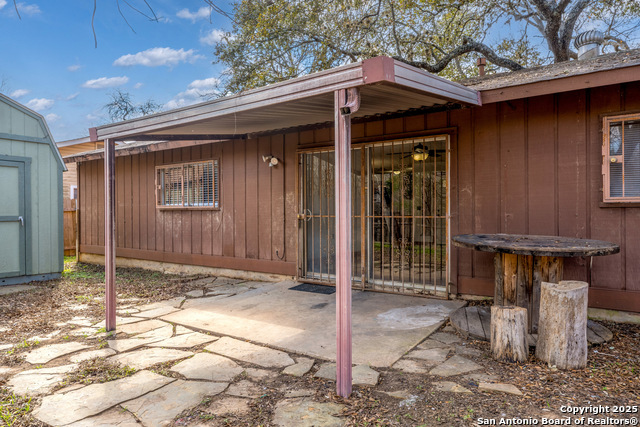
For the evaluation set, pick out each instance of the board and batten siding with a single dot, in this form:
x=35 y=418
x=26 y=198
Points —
x=527 y=166
x=534 y=166
x=253 y=230
x=46 y=254
x=530 y=166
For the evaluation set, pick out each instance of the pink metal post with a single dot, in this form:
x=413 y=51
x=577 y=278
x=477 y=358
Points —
x=109 y=233
x=347 y=101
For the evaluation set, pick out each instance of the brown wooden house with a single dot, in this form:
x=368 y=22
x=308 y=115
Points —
x=247 y=183
x=69 y=148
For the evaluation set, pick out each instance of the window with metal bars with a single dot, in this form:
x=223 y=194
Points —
x=621 y=158
x=188 y=185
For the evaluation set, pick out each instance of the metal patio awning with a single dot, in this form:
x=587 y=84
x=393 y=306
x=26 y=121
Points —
x=385 y=85
x=371 y=87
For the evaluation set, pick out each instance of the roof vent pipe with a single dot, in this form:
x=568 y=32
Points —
x=588 y=44
x=482 y=62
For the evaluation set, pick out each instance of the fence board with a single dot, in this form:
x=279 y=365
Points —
x=70 y=231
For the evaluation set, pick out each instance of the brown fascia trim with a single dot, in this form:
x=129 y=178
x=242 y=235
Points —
x=386 y=70
x=378 y=69
x=565 y=84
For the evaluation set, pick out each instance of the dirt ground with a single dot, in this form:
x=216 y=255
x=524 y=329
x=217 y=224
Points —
x=611 y=379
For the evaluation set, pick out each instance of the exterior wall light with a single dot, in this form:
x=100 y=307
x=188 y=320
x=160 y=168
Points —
x=272 y=160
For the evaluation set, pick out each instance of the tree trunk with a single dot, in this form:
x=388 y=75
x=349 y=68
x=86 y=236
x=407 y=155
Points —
x=509 y=333
x=562 y=328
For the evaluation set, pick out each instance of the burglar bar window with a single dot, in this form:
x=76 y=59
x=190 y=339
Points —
x=621 y=155
x=188 y=185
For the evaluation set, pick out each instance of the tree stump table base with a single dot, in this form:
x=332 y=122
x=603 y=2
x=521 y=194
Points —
x=475 y=323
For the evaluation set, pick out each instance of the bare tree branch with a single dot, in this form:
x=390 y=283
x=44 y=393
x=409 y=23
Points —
x=468 y=46
x=616 y=42
x=15 y=6
x=93 y=28
x=393 y=28
x=123 y=17
x=121 y=106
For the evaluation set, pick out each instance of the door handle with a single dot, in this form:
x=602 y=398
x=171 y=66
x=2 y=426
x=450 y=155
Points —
x=305 y=216
x=21 y=219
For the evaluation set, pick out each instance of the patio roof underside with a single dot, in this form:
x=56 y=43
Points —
x=386 y=86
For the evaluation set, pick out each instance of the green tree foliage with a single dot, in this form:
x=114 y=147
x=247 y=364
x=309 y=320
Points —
x=274 y=40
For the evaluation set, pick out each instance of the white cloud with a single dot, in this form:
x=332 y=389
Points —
x=18 y=93
x=212 y=37
x=72 y=96
x=28 y=9
x=206 y=84
x=74 y=67
x=202 y=13
x=158 y=56
x=52 y=117
x=3 y=3
x=138 y=85
x=195 y=92
x=40 y=104
x=104 y=82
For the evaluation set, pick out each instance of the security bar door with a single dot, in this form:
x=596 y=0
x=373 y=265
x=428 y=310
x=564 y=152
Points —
x=12 y=219
x=407 y=216
x=400 y=216
x=317 y=220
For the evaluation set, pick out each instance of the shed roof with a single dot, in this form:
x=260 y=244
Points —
x=386 y=85
x=618 y=67
x=47 y=139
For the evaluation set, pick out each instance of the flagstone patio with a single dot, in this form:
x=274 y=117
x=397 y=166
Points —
x=384 y=326
x=203 y=340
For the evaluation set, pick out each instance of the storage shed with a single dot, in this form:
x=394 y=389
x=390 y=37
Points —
x=31 y=193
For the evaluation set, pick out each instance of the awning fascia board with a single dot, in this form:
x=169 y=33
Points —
x=380 y=70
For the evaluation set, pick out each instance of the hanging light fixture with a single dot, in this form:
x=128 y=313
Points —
x=420 y=153
x=418 y=157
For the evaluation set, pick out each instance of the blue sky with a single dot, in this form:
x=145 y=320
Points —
x=50 y=62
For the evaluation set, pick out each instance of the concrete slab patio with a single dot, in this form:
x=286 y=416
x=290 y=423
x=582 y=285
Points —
x=385 y=326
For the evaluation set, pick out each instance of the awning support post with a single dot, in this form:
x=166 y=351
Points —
x=109 y=234
x=346 y=102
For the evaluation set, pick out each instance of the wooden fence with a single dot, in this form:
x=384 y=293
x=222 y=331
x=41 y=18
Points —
x=70 y=216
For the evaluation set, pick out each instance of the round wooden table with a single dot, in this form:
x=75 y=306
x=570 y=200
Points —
x=523 y=262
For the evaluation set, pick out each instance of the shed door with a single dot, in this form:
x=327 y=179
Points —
x=12 y=214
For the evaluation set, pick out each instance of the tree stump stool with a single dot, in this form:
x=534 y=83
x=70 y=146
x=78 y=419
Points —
x=509 y=333
x=562 y=327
